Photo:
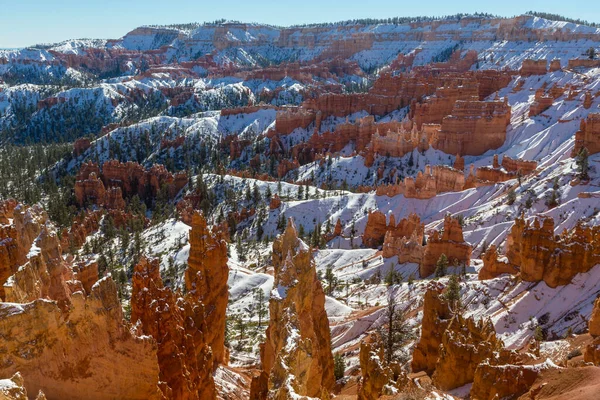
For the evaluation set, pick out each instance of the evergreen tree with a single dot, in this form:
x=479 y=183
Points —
x=583 y=164
x=452 y=293
x=395 y=333
x=441 y=266
x=339 y=366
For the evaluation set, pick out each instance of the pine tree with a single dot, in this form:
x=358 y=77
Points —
x=583 y=164
x=339 y=366
x=331 y=280
x=441 y=266
x=395 y=333
x=452 y=293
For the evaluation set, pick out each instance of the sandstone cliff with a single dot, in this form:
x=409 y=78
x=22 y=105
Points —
x=88 y=352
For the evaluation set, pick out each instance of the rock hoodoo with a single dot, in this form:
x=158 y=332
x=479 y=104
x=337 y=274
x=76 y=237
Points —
x=179 y=328
x=296 y=357
x=554 y=259
x=450 y=242
x=588 y=135
x=206 y=277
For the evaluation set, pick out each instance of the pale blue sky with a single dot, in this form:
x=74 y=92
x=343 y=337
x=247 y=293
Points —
x=27 y=22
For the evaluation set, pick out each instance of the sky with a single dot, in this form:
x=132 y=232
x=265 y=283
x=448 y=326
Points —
x=28 y=22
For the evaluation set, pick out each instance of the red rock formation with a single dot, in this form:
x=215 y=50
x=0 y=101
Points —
x=7 y=209
x=84 y=224
x=490 y=81
x=438 y=179
x=592 y=351
x=206 y=278
x=405 y=240
x=296 y=356
x=493 y=266
x=180 y=329
x=275 y=202
x=175 y=143
x=286 y=166
x=555 y=65
x=450 y=242
x=397 y=143
x=376 y=229
x=534 y=67
x=583 y=63
x=555 y=260
x=588 y=135
x=587 y=100
x=114 y=199
x=459 y=163
x=93 y=353
x=541 y=103
x=87 y=274
x=466 y=343
x=525 y=167
x=504 y=381
x=91 y=191
x=18 y=237
x=473 y=128
x=124 y=179
x=376 y=376
x=291 y=118
x=435 y=108
x=436 y=318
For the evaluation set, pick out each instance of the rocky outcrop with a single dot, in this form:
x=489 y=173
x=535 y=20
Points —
x=466 y=343
x=206 y=278
x=18 y=237
x=588 y=135
x=592 y=350
x=14 y=389
x=587 y=100
x=450 y=242
x=397 y=143
x=179 y=327
x=534 y=67
x=436 y=107
x=296 y=357
x=374 y=375
x=405 y=240
x=84 y=225
x=427 y=184
x=289 y=119
x=436 y=318
x=128 y=179
x=541 y=103
x=489 y=175
x=274 y=202
x=376 y=229
x=554 y=259
x=494 y=265
x=378 y=379
x=555 y=65
x=473 y=128
x=503 y=381
x=85 y=352
x=90 y=190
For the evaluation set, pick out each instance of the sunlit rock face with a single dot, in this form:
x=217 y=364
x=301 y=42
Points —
x=296 y=357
